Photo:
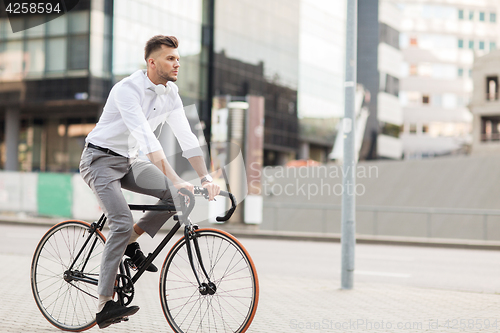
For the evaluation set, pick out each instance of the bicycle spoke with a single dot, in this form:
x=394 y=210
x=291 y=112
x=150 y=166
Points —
x=68 y=305
x=229 y=309
x=228 y=313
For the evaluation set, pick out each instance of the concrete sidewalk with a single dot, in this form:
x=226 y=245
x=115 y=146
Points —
x=287 y=304
x=299 y=290
x=252 y=231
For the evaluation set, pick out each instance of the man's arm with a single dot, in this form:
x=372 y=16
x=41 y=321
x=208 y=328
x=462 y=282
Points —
x=198 y=164
x=159 y=159
x=190 y=145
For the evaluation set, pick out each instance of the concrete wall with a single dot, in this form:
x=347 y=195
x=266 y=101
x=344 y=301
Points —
x=440 y=198
x=67 y=196
x=456 y=197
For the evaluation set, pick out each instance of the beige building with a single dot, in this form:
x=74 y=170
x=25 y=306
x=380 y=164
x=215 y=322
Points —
x=485 y=105
x=440 y=40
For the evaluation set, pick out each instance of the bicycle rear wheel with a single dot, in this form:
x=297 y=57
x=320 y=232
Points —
x=68 y=304
x=232 y=307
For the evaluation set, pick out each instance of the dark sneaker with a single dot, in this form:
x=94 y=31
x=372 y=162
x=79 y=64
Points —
x=113 y=313
x=135 y=254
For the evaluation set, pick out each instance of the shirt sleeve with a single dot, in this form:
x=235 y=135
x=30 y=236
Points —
x=179 y=124
x=128 y=102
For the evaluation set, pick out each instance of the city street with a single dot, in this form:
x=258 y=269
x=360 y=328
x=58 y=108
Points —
x=396 y=289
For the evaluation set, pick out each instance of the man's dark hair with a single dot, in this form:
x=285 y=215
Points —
x=156 y=42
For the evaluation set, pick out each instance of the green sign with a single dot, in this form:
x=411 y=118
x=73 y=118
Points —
x=54 y=194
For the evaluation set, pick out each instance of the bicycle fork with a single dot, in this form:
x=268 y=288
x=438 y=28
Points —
x=204 y=288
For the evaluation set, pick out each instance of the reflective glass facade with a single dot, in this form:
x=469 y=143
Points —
x=48 y=50
x=54 y=78
x=136 y=21
x=294 y=47
x=255 y=31
x=321 y=58
x=57 y=75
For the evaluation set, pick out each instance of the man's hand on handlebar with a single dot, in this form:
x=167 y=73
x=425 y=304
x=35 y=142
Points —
x=183 y=184
x=212 y=189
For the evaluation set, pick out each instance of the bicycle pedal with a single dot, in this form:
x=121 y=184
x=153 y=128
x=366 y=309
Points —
x=131 y=265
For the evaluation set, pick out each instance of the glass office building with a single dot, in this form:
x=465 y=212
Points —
x=321 y=75
x=256 y=48
x=55 y=77
x=295 y=49
x=136 y=21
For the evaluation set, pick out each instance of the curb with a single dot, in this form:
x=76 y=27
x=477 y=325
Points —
x=368 y=239
x=301 y=236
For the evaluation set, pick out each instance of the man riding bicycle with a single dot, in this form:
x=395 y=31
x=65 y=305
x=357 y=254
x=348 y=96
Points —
x=135 y=107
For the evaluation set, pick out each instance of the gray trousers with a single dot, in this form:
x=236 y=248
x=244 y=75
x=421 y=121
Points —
x=106 y=175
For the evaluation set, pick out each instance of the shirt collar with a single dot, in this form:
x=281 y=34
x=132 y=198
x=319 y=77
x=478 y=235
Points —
x=148 y=84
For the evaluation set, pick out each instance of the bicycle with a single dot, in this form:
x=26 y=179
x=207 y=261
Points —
x=208 y=282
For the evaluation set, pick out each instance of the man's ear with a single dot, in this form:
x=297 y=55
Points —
x=151 y=62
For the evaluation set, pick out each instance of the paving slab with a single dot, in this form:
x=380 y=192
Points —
x=287 y=304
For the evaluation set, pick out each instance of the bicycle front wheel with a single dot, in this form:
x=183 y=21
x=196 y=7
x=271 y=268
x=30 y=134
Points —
x=232 y=307
x=67 y=303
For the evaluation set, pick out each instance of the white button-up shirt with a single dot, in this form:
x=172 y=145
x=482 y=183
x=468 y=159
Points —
x=134 y=110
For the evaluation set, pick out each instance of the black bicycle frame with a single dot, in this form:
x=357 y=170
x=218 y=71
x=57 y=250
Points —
x=149 y=259
x=184 y=219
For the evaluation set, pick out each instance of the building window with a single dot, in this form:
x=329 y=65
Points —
x=78 y=22
x=389 y=35
x=460 y=14
x=470 y=73
x=413 y=128
x=493 y=46
x=413 y=70
x=471 y=15
x=481 y=16
x=471 y=44
x=460 y=72
x=37 y=22
x=460 y=43
x=391 y=130
x=425 y=128
x=449 y=101
x=56 y=52
x=493 y=17
x=12 y=60
x=425 y=99
x=414 y=98
x=437 y=100
x=34 y=58
x=481 y=45
x=57 y=26
x=78 y=52
x=492 y=88
x=389 y=84
x=490 y=128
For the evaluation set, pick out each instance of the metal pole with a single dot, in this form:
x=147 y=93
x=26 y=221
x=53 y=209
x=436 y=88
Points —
x=348 y=196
